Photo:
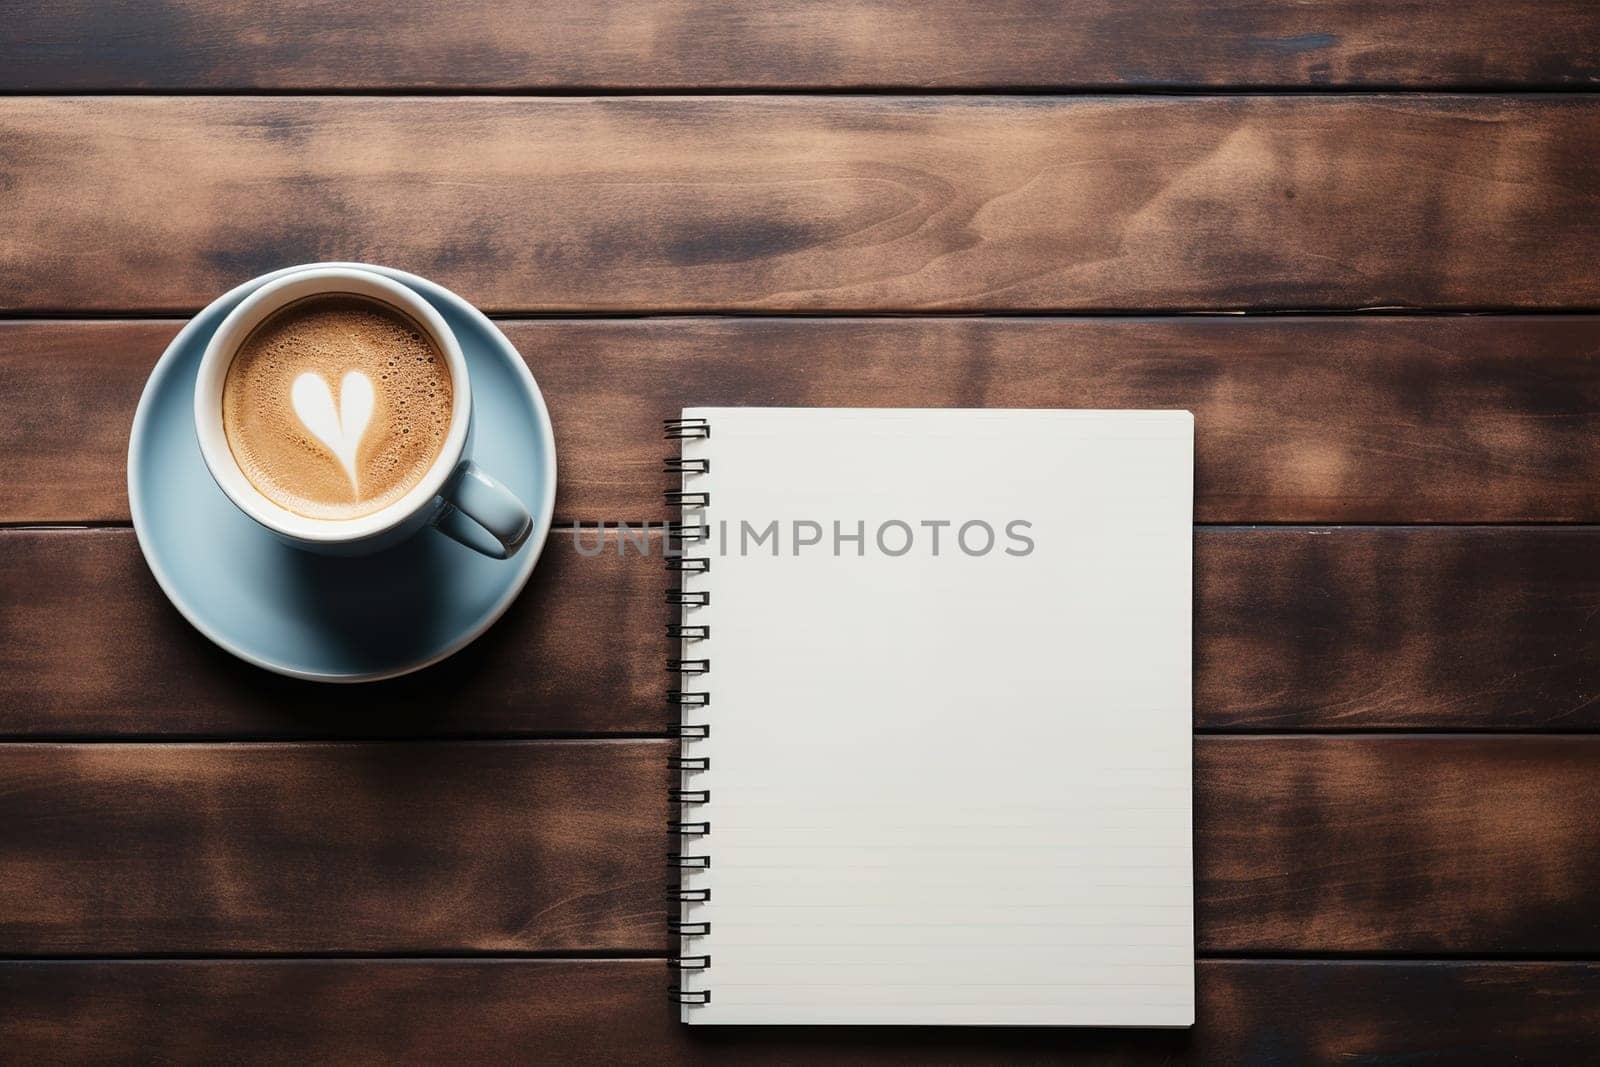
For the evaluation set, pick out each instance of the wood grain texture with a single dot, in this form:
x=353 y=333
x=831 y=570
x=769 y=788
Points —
x=1459 y=419
x=1371 y=628
x=835 y=204
x=503 y=846
x=66 y=415
x=1365 y=419
x=1251 y=1013
x=501 y=44
x=89 y=646
x=1375 y=845
x=1394 y=628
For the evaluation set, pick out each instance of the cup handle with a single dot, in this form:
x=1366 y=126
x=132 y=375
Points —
x=483 y=514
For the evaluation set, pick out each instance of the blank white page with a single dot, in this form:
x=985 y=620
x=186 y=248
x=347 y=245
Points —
x=945 y=786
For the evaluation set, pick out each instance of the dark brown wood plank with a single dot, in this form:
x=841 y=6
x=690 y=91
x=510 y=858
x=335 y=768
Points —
x=1366 y=845
x=837 y=204
x=1353 y=628
x=1445 y=419
x=495 y=846
x=1255 y=1012
x=1436 y=845
x=1397 y=628
x=89 y=646
x=65 y=420
x=502 y=44
x=1365 y=419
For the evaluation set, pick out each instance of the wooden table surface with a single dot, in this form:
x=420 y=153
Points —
x=1275 y=213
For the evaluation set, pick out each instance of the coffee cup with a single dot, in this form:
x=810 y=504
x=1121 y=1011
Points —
x=346 y=425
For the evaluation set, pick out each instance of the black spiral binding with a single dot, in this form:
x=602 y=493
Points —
x=687 y=670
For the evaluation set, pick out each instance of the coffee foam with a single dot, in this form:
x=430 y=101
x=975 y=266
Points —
x=330 y=336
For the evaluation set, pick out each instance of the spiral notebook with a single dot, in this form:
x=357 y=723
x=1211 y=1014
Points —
x=933 y=694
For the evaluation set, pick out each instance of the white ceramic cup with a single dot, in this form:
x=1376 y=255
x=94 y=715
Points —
x=455 y=496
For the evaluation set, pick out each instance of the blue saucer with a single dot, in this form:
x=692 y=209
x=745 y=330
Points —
x=319 y=617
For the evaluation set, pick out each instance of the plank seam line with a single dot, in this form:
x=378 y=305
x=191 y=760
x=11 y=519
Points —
x=243 y=738
x=567 y=526
x=624 y=737
x=1111 y=90
x=178 y=315
x=652 y=956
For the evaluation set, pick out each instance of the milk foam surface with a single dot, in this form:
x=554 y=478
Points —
x=332 y=336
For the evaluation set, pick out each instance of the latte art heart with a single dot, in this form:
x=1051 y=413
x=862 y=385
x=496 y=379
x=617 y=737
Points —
x=342 y=430
x=337 y=406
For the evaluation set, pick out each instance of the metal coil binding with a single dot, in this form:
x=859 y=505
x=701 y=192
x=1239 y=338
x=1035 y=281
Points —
x=678 y=632
x=690 y=963
x=686 y=825
x=681 y=532
x=686 y=429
